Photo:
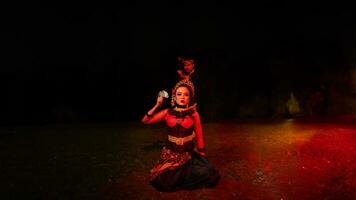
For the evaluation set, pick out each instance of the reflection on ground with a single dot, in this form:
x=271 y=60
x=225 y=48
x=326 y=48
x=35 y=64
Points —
x=257 y=160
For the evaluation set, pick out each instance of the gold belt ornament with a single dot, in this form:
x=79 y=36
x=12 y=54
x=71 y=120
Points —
x=181 y=141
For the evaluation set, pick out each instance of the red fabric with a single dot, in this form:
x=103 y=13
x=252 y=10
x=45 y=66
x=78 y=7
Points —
x=186 y=122
x=198 y=130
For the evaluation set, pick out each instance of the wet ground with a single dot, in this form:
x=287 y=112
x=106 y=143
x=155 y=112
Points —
x=286 y=159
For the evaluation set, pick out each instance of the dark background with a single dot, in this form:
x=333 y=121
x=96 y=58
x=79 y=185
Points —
x=87 y=62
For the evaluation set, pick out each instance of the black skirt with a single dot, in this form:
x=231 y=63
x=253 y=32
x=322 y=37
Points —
x=194 y=174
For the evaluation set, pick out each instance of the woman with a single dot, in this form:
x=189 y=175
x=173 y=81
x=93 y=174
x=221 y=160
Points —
x=182 y=165
x=187 y=71
x=187 y=68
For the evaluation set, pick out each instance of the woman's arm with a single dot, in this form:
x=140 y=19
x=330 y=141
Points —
x=180 y=73
x=182 y=76
x=199 y=133
x=152 y=117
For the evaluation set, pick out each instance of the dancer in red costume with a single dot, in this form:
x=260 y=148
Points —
x=182 y=164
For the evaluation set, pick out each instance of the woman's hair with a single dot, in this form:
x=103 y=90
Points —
x=183 y=83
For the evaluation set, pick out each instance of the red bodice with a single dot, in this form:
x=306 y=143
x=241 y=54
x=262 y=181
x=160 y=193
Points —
x=180 y=124
x=185 y=121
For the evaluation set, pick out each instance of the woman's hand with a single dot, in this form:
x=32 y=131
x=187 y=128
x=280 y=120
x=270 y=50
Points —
x=202 y=154
x=180 y=73
x=182 y=76
x=159 y=101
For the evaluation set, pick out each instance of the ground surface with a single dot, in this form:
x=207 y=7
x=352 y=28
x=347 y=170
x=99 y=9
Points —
x=287 y=159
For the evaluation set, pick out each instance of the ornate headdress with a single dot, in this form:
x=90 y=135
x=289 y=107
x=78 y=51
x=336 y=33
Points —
x=185 y=83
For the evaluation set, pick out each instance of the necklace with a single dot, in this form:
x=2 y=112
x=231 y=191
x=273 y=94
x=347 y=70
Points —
x=180 y=109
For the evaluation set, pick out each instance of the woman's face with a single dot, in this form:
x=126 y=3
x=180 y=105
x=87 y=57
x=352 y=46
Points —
x=182 y=96
x=188 y=65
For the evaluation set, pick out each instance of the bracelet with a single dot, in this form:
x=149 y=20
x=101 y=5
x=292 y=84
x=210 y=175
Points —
x=148 y=115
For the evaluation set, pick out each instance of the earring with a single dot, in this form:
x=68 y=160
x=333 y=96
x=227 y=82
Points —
x=173 y=100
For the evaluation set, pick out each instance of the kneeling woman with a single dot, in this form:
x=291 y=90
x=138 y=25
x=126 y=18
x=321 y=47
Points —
x=182 y=165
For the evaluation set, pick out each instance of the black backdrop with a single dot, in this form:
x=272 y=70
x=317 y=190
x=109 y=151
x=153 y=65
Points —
x=89 y=62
